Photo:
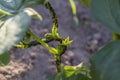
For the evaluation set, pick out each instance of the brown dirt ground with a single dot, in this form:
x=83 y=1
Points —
x=36 y=63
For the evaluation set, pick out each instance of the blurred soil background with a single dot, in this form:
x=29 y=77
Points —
x=36 y=63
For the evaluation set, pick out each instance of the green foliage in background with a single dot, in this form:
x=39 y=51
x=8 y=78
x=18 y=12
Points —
x=15 y=16
x=107 y=12
x=105 y=64
x=85 y=3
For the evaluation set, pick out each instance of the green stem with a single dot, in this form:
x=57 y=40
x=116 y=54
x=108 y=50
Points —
x=73 y=6
x=55 y=34
x=74 y=11
x=55 y=21
x=58 y=63
x=58 y=60
x=54 y=17
x=38 y=40
x=34 y=43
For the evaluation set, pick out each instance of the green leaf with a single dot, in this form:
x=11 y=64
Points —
x=12 y=30
x=78 y=72
x=105 y=64
x=53 y=50
x=4 y=59
x=116 y=36
x=67 y=41
x=107 y=12
x=10 y=5
x=73 y=73
x=86 y=3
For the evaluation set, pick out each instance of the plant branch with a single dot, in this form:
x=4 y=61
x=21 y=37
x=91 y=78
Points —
x=38 y=40
x=55 y=35
x=55 y=21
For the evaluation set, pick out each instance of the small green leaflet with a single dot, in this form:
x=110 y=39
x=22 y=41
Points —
x=12 y=30
x=107 y=12
x=105 y=64
x=4 y=59
x=86 y=3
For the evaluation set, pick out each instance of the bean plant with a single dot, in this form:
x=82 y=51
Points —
x=16 y=15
